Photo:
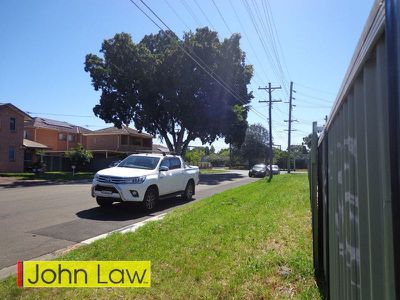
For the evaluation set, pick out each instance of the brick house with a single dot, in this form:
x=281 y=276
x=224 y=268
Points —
x=58 y=136
x=110 y=144
x=106 y=144
x=113 y=139
x=11 y=138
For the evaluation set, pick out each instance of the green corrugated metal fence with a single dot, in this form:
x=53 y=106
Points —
x=350 y=179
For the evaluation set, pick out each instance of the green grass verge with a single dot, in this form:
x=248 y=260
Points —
x=213 y=171
x=50 y=176
x=251 y=242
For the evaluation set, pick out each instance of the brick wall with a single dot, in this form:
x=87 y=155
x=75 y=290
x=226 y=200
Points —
x=102 y=142
x=50 y=138
x=113 y=142
x=9 y=139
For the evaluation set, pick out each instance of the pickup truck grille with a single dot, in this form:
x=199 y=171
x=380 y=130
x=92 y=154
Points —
x=114 y=179
x=105 y=188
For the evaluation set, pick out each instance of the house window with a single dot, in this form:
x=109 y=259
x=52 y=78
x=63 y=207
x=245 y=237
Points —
x=71 y=138
x=11 y=153
x=147 y=142
x=12 y=124
x=62 y=137
x=25 y=134
x=124 y=140
x=134 y=141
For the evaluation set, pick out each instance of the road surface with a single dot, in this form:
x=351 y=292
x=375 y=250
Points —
x=37 y=220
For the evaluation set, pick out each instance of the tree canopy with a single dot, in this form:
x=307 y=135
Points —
x=158 y=87
x=255 y=147
x=79 y=156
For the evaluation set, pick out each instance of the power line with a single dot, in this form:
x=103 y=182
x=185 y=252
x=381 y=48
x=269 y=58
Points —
x=189 y=10
x=248 y=39
x=276 y=34
x=302 y=101
x=316 y=98
x=267 y=27
x=271 y=61
x=315 y=89
x=214 y=28
x=222 y=17
x=60 y=115
x=203 y=13
x=176 y=14
x=220 y=81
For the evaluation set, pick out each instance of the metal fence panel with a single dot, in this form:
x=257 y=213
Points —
x=353 y=251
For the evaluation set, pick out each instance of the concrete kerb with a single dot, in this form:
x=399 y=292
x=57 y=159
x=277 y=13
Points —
x=12 y=270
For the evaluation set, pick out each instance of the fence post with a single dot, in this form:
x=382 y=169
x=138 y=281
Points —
x=313 y=194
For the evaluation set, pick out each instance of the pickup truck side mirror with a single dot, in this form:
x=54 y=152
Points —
x=164 y=168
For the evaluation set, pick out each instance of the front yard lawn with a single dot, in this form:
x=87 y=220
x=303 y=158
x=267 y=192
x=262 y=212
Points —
x=251 y=242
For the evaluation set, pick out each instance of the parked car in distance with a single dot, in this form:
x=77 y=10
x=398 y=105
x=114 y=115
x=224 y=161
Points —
x=275 y=170
x=145 y=178
x=258 y=170
x=114 y=163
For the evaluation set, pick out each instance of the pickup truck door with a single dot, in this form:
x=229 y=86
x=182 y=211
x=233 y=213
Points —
x=178 y=174
x=166 y=178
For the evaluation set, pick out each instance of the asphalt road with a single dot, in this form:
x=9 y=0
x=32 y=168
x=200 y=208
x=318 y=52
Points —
x=37 y=220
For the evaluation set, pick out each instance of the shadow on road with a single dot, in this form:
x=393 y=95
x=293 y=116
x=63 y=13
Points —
x=215 y=179
x=28 y=183
x=128 y=211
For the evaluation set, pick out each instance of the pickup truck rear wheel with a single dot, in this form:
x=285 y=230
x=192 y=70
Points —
x=150 y=199
x=104 y=202
x=189 y=191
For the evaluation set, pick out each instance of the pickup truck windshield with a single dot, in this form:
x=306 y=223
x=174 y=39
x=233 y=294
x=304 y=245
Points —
x=140 y=162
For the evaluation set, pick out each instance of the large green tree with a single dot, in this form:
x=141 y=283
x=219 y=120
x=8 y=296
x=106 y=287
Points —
x=156 y=85
x=255 y=146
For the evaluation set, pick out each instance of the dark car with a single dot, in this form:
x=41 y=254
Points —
x=259 y=170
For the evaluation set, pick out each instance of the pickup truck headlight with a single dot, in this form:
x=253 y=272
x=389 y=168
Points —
x=138 y=180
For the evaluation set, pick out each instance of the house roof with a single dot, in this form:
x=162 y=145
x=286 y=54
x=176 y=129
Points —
x=39 y=122
x=124 y=130
x=160 y=148
x=35 y=145
x=13 y=107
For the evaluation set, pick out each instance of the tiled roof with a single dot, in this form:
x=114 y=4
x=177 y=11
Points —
x=161 y=148
x=38 y=122
x=123 y=130
x=13 y=107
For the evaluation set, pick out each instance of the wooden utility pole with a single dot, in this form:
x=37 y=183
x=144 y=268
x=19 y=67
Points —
x=270 y=101
x=290 y=125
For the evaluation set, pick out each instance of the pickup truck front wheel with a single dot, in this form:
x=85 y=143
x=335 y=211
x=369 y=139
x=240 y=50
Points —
x=150 y=199
x=189 y=191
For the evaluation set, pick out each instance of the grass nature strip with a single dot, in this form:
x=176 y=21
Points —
x=250 y=242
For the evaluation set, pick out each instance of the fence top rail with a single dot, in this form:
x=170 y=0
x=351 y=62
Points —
x=373 y=29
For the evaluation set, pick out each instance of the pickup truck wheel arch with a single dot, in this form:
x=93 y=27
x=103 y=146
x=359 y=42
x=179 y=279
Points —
x=150 y=198
x=189 y=190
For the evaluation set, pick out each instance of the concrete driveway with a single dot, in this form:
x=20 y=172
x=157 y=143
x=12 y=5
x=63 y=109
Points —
x=37 y=220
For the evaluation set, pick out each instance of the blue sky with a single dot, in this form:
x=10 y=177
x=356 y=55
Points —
x=44 y=43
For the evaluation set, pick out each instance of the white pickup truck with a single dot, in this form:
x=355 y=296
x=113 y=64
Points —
x=145 y=178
